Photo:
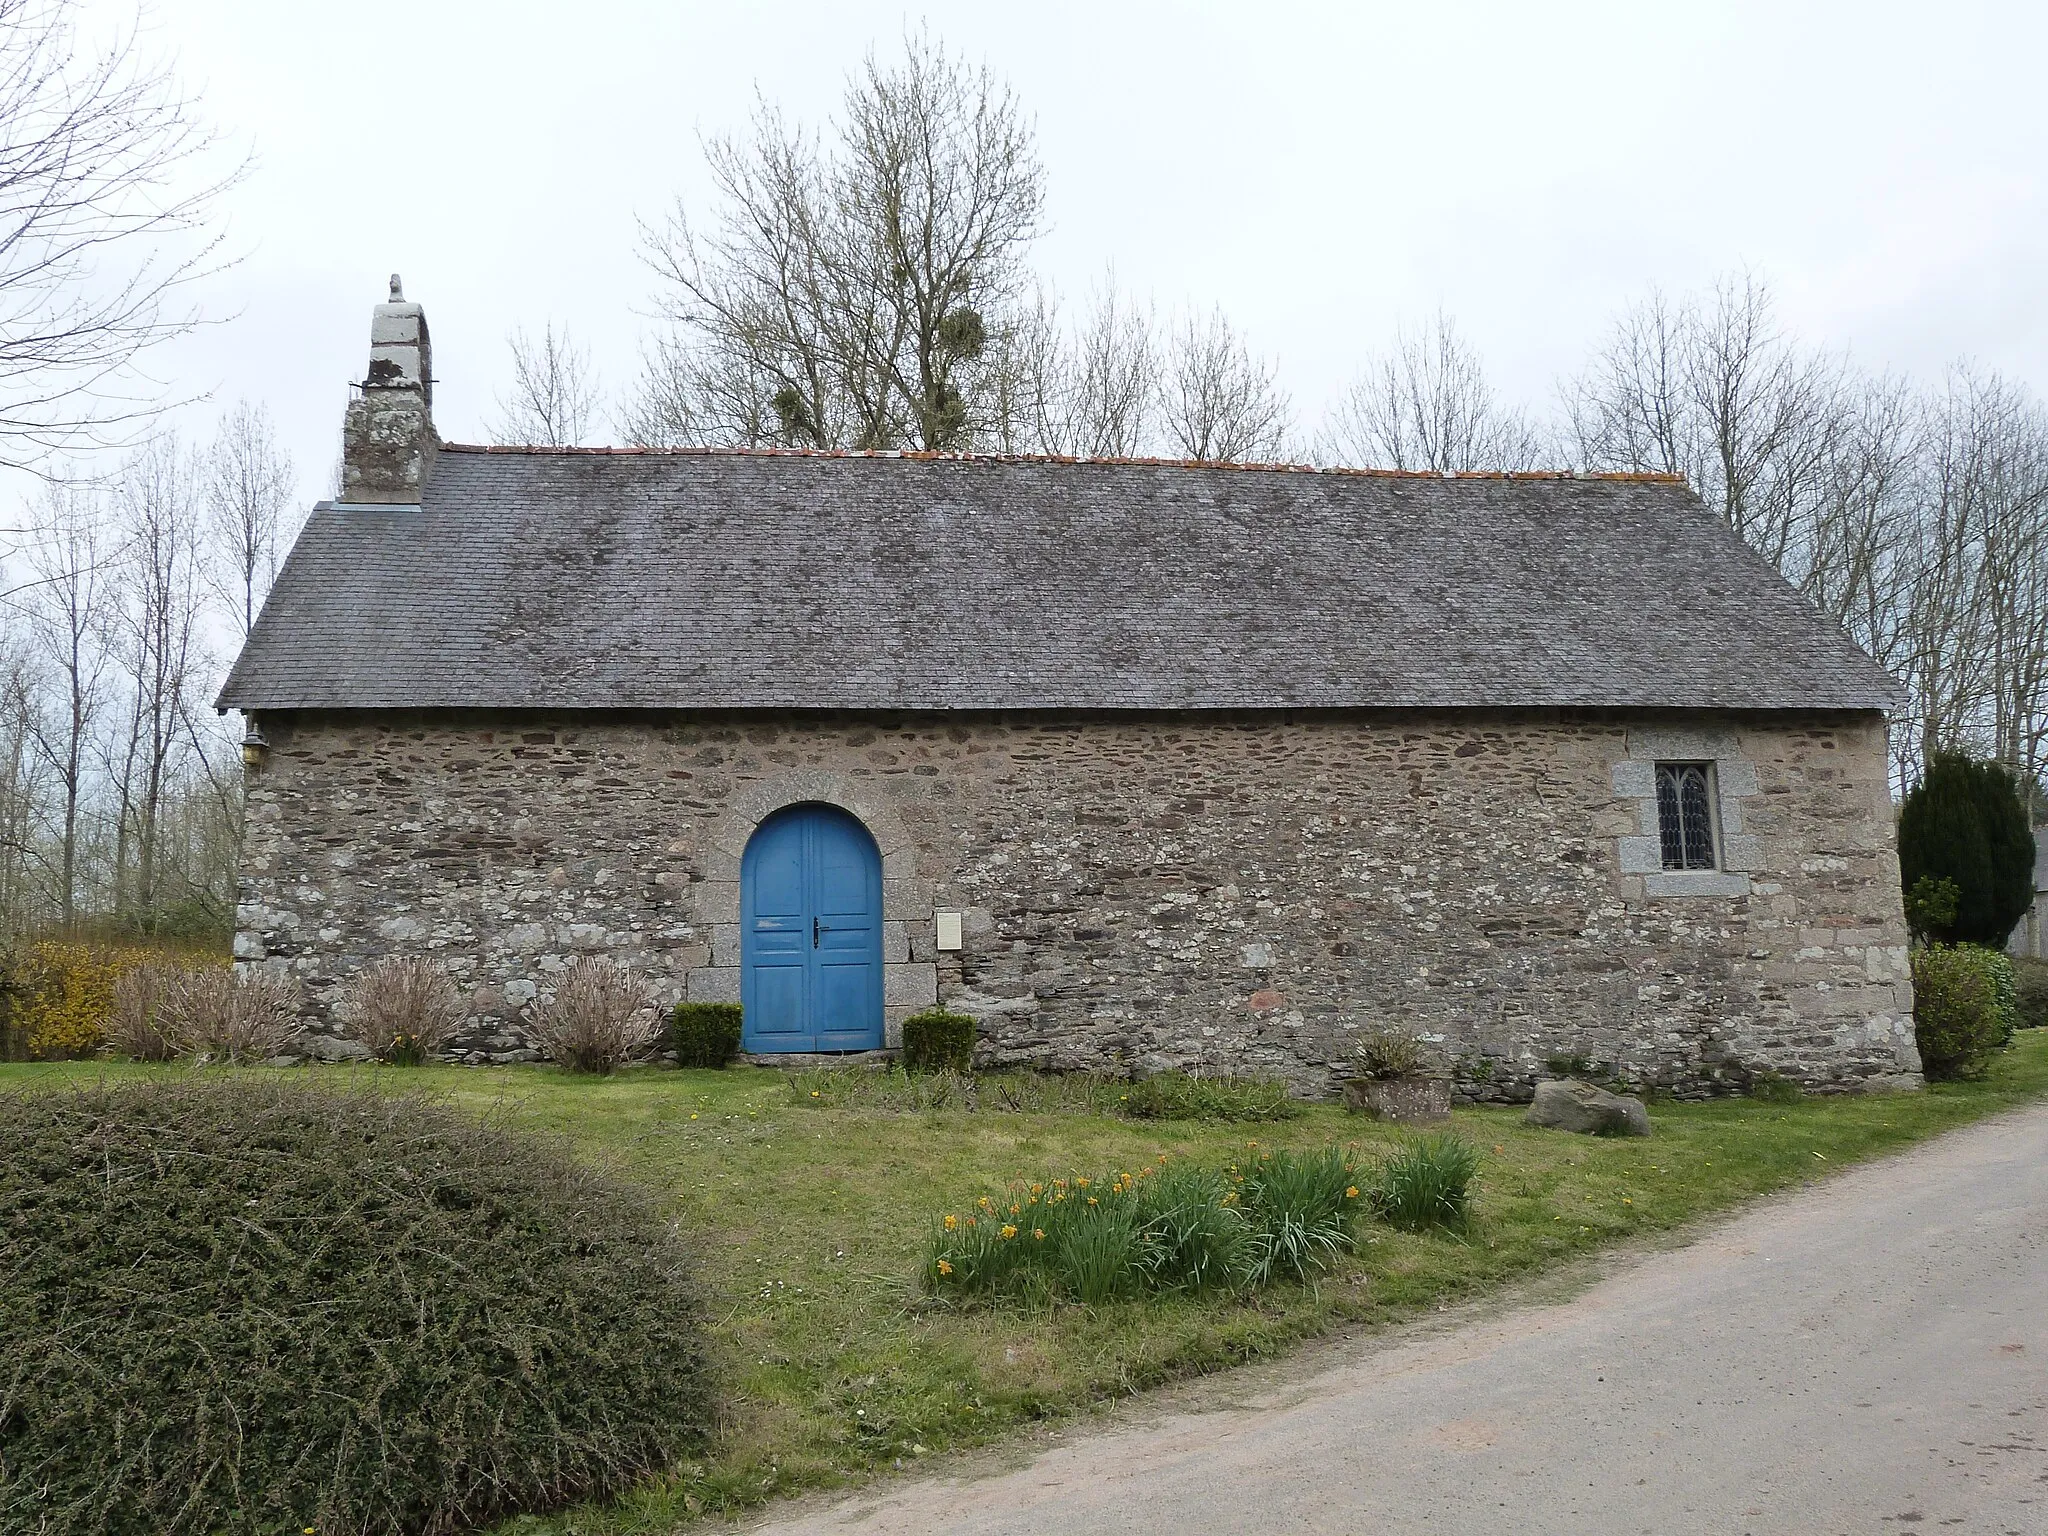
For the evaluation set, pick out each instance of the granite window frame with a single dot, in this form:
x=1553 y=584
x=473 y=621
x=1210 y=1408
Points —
x=1688 y=830
x=1732 y=780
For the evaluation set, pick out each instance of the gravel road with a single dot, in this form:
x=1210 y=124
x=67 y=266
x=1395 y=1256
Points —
x=1865 y=1355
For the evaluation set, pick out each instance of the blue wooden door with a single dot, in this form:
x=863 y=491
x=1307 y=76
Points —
x=811 y=933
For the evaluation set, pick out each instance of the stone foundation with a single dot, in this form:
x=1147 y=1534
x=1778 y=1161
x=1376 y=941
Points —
x=1233 y=893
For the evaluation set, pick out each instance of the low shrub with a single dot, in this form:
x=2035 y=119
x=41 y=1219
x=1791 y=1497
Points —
x=238 y=1306
x=1386 y=1054
x=598 y=1018
x=2030 y=988
x=2005 y=991
x=402 y=1009
x=62 y=997
x=938 y=1041
x=1427 y=1184
x=705 y=1034
x=136 y=1027
x=1180 y=1096
x=1956 y=1016
x=1173 y=1227
x=215 y=1013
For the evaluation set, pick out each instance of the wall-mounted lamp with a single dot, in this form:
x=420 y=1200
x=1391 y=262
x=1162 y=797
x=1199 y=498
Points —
x=255 y=748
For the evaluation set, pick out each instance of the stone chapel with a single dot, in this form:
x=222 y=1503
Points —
x=1143 y=764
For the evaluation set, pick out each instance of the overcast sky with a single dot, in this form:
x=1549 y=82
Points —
x=1324 y=172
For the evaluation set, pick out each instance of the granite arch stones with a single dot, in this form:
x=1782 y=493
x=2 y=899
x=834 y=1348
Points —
x=907 y=984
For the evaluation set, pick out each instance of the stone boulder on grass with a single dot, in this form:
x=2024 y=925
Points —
x=1566 y=1104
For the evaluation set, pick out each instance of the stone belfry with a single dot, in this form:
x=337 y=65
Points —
x=387 y=439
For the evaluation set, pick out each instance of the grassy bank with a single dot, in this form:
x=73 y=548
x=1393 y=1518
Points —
x=810 y=1223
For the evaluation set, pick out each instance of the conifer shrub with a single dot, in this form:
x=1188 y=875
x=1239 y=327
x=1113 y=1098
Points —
x=1965 y=823
x=705 y=1034
x=938 y=1041
x=233 y=1305
x=1956 y=1017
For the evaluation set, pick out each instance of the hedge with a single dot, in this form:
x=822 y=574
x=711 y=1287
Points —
x=233 y=1305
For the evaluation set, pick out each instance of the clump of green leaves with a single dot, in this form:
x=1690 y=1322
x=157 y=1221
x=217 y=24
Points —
x=1385 y=1054
x=233 y=1305
x=1165 y=1227
x=1427 y=1184
x=1181 y=1096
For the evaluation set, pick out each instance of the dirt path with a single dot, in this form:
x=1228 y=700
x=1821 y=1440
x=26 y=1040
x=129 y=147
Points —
x=1867 y=1355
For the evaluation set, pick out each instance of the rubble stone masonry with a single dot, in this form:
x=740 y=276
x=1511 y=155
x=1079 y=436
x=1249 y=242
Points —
x=1139 y=892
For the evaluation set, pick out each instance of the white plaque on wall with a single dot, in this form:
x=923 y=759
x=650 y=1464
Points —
x=948 y=924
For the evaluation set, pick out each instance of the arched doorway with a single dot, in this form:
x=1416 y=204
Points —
x=811 y=933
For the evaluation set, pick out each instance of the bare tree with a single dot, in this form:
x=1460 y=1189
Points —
x=161 y=650
x=104 y=215
x=1218 y=402
x=846 y=292
x=1716 y=392
x=554 y=395
x=1090 y=391
x=69 y=611
x=1426 y=405
x=250 y=490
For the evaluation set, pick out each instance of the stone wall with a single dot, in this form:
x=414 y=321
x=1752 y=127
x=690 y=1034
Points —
x=1140 y=892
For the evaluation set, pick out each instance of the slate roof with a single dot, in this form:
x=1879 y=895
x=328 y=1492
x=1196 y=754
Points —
x=732 y=579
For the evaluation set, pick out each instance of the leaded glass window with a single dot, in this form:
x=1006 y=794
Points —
x=1685 y=815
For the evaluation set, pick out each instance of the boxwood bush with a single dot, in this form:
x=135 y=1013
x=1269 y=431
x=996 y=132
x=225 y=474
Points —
x=938 y=1041
x=240 y=1306
x=705 y=1034
x=1959 y=1008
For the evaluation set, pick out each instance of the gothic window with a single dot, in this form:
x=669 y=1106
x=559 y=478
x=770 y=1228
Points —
x=1685 y=815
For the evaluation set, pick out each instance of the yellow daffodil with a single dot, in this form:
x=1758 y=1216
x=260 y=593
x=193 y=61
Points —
x=945 y=1268
x=952 y=1221
x=1351 y=1193
x=1008 y=1233
x=1038 y=1234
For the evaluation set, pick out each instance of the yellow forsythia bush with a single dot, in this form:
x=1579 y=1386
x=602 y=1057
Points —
x=63 y=996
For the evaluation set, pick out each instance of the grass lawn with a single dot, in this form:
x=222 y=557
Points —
x=810 y=1224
